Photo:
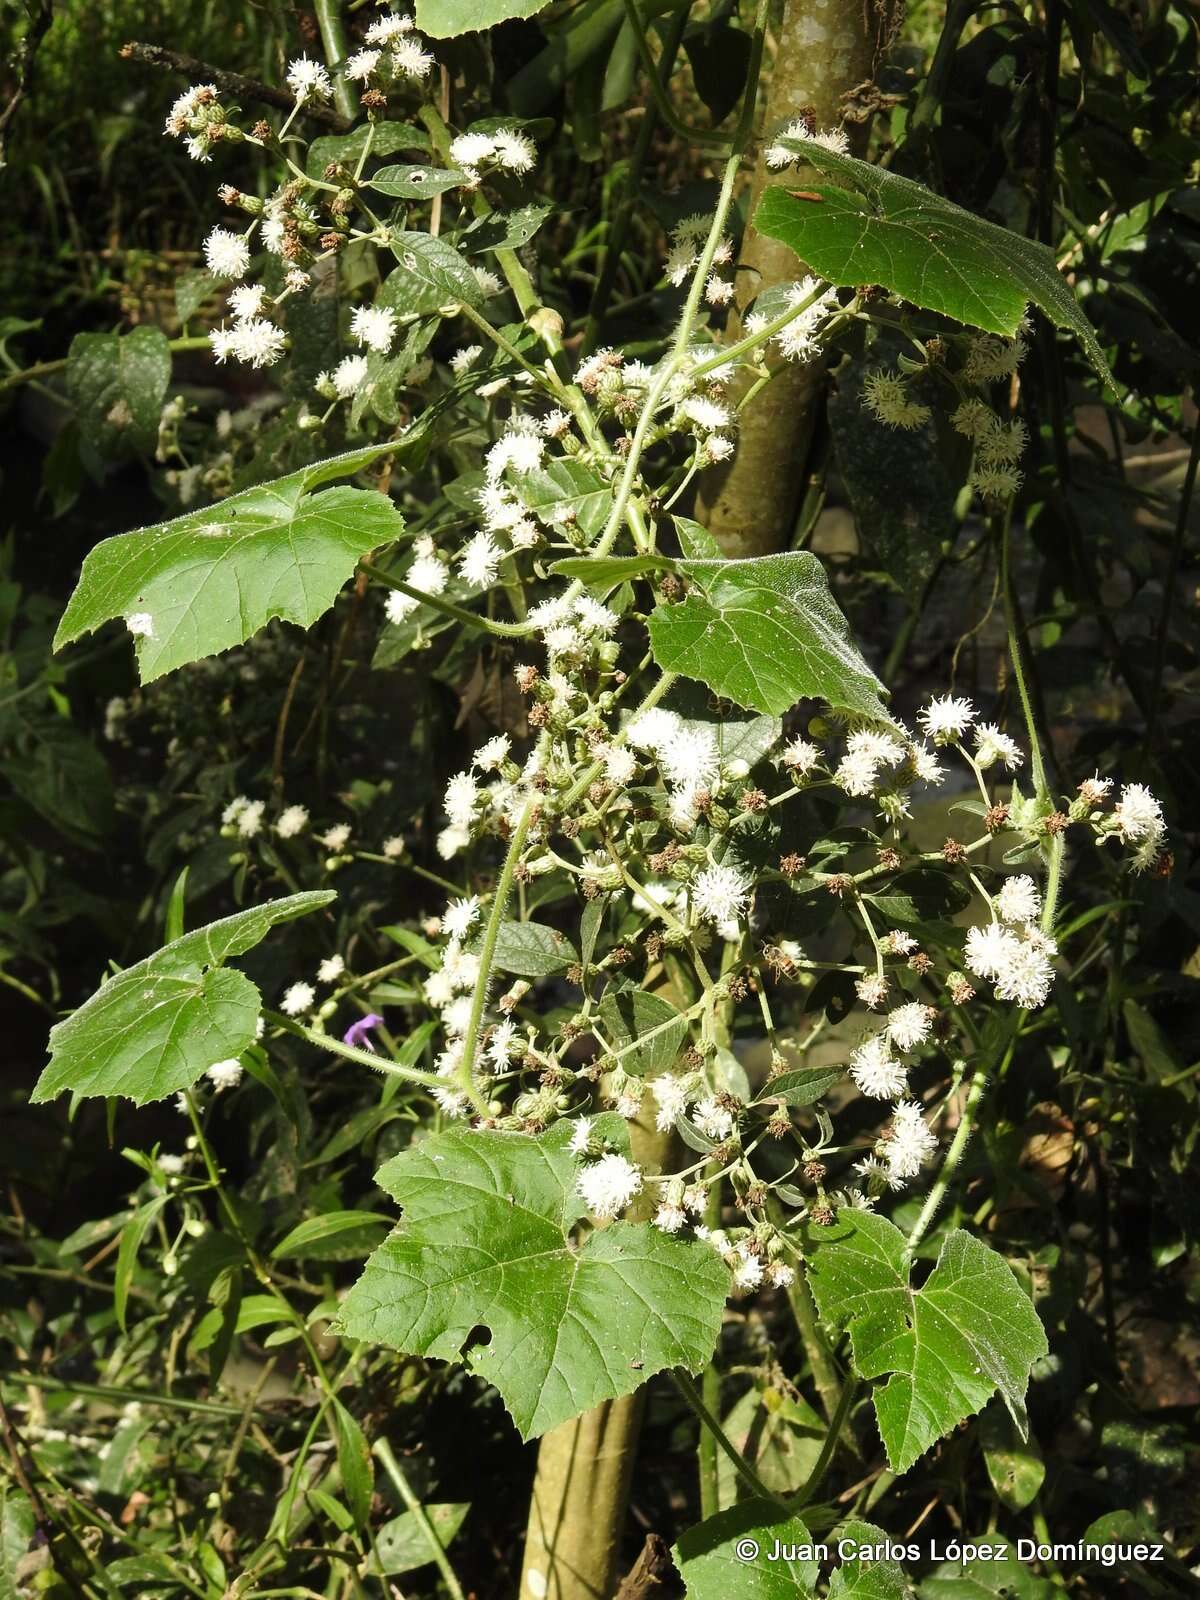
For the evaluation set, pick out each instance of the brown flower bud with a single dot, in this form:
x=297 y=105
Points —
x=954 y=852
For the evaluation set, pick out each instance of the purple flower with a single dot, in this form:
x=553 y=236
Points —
x=356 y=1033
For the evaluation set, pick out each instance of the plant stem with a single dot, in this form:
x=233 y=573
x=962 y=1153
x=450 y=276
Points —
x=382 y=1450
x=333 y=43
x=837 y=1422
x=1169 y=583
x=44 y=369
x=470 y=619
x=743 y=1468
x=364 y=1058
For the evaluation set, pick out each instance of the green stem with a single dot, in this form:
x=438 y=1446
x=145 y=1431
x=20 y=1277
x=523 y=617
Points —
x=838 y=1421
x=743 y=1468
x=383 y=1451
x=694 y=136
x=471 y=619
x=364 y=1058
x=333 y=43
x=44 y=369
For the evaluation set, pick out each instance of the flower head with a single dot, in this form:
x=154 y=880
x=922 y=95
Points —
x=225 y=1074
x=298 y=999
x=875 y=1070
x=308 y=80
x=374 y=326
x=912 y=1141
x=1019 y=899
x=608 y=1185
x=720 y=893
x=226 y=254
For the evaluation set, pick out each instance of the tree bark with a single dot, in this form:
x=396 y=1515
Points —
x=581 y=1490
x=827 y=48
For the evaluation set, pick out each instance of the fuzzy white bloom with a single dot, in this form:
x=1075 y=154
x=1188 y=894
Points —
x=250 y=818
x=394 y=847
x=291 y=821
x=1028 y=976
x=801 y=756
x=460 y=917
x=245 y=302
x=1019 y=899
x=896 y=943
x=489 y=283
x=704 y=414
x=226 y=254
x=225 y=1074
x=669 y=1218
x=140 y=625
x=172 y=1165
x=594 y=617
x=470 y=149
x=1138 y=815
x=926 y=765
x=989 y=949
x=410 y=59
x=945 y=720
x=462 y=796
x=857 y=773
x=713 y=1119
x=720 y=893
x=651 y=729
x=298 y=999
x=374 y=326
x=520 y=449
x=479 y=560
x=797 y=339
x=491 y=756
x=361 y=65
x=308 y=80
x=451 y=840
x=257 y=341
x=608 y=1185
x=581 y=1134
x=671 y=1094
x=513 y=150
x=912 y=1142
x=909 y=1025
x=689 y=756
x=717 y=447
x=235 y=808
x=620 y=765
x=349 y=376
x=876 y=1072
x=872 y=990
x=747 y=1269
x=833 y=139
x=462 y=359
x=388 y=28
x=991 y=746
x=331 y=969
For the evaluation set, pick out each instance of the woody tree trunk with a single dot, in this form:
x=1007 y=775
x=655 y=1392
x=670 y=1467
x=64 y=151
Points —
x=826 y=50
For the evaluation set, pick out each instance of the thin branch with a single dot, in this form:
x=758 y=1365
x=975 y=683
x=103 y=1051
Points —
x=235 y=83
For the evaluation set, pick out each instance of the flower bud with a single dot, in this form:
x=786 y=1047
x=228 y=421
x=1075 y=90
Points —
x=329 y=1009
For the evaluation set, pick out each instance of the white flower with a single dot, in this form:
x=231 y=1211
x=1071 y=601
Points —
x=801 y=756
x=394 y=847
x=330 y=969
x=374 y=326
x=720 y=893
x=335 y=838
x=466 y=357
x=470 y=149
x=298 y=999
x=706 y=415
x=235 y=808
x=388 y=28
x=140 y=625
x=520 y=448
x=594 y=617
x=713 y=1119
x=797 y=339
x=361 y=65
x=1137 y=814
x=1027 y=976
x=926 y=765
x=245 y=301
x=857 y=773
x=608 y=1185
x=308 y=80
x=912 y=1143
x=875 y=1071
x=492 y=755
x=671 y=1095
x=410 y=60
x=479 y=561
x=780 y=1274
x=909 y=1025
x=349 y=376
x=689 y=756
x=250 y=818
x=871 y=990
x=1019 y=899
x=225 y=1074
x=717 y=447
x=462 y=796
x=226 y=254
x=669 y=1218
x=489 y=283
x=718 y=291
x=988 y=949
x=651 y=729
x=171 y=1165
x=291 y=822
x=620 y=765
x=896 y=943
x=747 y=1269
x=221 y=343
x=450 y=841
x=991 y=745
x=460 y=917
x=257 y=341
x=513 y=150
x=581 y=1135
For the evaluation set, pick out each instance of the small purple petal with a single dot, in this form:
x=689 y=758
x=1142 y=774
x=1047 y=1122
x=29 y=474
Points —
x=356 y=1033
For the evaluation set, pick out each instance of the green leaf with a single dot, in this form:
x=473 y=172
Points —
x=212 y=578
x=192 y=289
x=444 y=19
x=896 y=233
x=431 y=274
x=484 y=1242
x=1014 y=1465
x=860 y=1576
x=416 y=182
x=695 y=541
x=644 y=1030
x=969 y=1332
x=402 y=1545
x=506 y=230
x=727 y=1555
x=802 y=1086
x=117 y=382
x=531 y=950
x=997 y=1576
x=739 y=737
x=307 y=1237
x=17 y=1523
x=159 y=1025
x=607 y=571
x=132 y=1235
x=355 y=1462
x=567 y=486
x=765 y=632
x=346 y=148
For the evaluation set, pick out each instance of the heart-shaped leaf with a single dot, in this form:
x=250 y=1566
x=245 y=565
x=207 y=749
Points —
x=485 y=1242
x=158 y=1026
x=205 y=582
x=888 y=230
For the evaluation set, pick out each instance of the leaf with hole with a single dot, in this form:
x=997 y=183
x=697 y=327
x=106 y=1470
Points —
x=416 y=183
x=485 y=1242
x=887 y=230
x=209 y=580
x=969 y=1332
x=158 y=1026
x=402 y=1545
x=765 y=633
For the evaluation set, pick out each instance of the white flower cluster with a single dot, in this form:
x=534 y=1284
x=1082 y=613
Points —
x=809 y=303
x=507 y=149
x=778 y=156
x=393 y=50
